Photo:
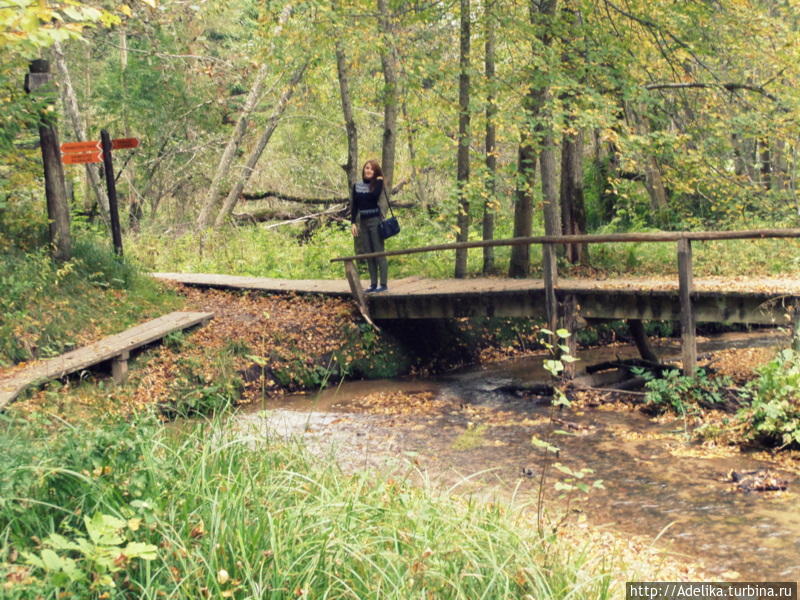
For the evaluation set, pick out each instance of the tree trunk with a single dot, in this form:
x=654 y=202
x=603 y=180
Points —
x=520 y=263
x=422 y=197
x=351 y=167
x=655 y=186
x=530 y=143
x=573 y=209
x=56 y=192
x=779 y=165
x=390 y=95
x=214 y=193
x=462 y=159
x=765 y=159
x=653 y=181
x=135 y=207
x=272 y=124
x=225 y=162
x=491 y=139
x=551 y=209
x=72 y=111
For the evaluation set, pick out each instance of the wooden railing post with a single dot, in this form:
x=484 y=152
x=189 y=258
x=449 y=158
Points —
x=351 y=272
x=550 y=277
x=685 y=285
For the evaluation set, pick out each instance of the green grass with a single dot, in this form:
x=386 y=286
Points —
x=46 y=307
x=254 y=251
x=243 y=516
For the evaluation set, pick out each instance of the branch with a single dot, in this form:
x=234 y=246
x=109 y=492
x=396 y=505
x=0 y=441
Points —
x=653 y=25
x=731 y=87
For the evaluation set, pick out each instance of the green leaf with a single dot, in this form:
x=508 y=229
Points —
x=563 y=333
x=140 y=550
x=33 y=560
x=59 y=542
x=51 y=560
x=104 y=529
x=563 y=468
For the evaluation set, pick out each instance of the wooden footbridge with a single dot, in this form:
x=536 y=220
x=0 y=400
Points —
x=560 y=301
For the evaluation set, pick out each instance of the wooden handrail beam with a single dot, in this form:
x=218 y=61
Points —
x=660 y=236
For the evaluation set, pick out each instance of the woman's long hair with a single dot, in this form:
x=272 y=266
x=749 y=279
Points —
x=376 y=172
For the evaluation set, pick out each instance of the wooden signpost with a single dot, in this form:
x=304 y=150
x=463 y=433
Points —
x=74 y=153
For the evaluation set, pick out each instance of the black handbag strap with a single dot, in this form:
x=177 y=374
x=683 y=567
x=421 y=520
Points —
x=387 y=201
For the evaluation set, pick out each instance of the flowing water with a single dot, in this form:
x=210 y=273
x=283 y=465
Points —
x=657 y=483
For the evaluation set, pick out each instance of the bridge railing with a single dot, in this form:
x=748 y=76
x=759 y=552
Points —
x=683 y=239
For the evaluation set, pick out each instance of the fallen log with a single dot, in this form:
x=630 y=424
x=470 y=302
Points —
x=331 y=213
x=268 y=214
x=629 y=364
x=337 y=200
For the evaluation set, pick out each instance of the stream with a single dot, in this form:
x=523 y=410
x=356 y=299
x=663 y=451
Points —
x=458 y=431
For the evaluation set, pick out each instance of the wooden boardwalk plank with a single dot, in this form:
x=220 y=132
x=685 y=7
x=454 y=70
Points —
x=417 y=285
x=105 y=349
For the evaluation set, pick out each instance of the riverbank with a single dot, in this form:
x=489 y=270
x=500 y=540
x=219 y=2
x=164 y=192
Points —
x=129 y=508
x=257 y=351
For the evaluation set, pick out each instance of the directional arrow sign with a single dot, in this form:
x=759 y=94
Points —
x=123 y=143
x=80 y=147
x=73 y=153
x=76 y=158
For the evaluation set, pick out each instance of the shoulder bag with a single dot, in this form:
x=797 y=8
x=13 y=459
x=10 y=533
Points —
x=388 y=227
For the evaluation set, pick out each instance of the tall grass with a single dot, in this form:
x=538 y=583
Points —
x=254 y=251
x=246 y=516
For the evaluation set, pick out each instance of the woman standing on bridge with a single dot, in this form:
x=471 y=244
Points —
x=365 y=215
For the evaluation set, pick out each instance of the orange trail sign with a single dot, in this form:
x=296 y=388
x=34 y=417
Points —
x=122 y=143
x=70 y=147
x=76 y=158
x=75 y=153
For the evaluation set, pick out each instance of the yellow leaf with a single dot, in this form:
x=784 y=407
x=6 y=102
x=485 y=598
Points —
x=133 y=524
x=150 y=3
x=125 y=10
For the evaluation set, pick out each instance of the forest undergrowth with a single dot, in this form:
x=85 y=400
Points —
x=291 y=252
x=48 y=308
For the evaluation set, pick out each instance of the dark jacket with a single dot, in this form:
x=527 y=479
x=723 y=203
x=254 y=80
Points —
x=364 y=197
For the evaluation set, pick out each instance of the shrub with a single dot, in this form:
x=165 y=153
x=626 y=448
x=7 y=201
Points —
x=774 y=411
x=683 y=394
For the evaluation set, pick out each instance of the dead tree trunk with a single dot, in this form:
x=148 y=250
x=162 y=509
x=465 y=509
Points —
x=225 y=162
x=272 y=124
x=462 y=159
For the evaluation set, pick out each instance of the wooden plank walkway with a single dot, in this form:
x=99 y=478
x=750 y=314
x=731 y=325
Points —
x=418 y=286
x=115 y=347
x=739 y=300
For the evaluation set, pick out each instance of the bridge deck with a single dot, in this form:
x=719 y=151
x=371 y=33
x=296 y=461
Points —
x=715 y=299
x=112 y=347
